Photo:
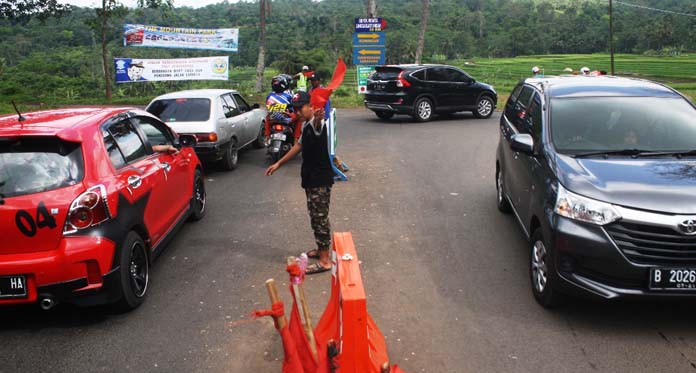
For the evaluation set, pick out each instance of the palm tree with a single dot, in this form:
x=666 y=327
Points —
x=421 y=34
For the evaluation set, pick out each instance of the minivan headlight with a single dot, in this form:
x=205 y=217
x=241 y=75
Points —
x=573 y=206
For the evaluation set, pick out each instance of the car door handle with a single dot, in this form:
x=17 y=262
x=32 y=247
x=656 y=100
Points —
x=135 y=181
x=166 y=166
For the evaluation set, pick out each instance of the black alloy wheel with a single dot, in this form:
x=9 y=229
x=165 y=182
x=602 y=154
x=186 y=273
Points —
x=198 y=198
x=134 y=271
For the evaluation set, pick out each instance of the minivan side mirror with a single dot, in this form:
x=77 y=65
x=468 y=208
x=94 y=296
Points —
x=255 y=106
x=187 y=141
x=523 y=143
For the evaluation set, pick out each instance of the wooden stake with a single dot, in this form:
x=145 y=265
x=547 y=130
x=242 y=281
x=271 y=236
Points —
x=280 y=322
x=307 y=322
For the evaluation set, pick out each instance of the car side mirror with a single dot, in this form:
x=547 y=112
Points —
x=255 y=106
x=523 y=143
x=187 y=141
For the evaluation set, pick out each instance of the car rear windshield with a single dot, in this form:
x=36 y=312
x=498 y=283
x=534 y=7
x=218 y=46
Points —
x=616 y=123
x=181 y=109
x=386 y=73
x=38 y=164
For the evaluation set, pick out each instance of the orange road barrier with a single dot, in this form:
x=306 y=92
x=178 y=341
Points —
x=346 y=339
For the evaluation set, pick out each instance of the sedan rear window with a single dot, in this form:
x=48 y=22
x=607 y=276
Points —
x=38 y=164
x=386 y=73
x=181 y=109
x=616 y=123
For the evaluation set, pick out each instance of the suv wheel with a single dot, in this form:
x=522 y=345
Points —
x=134 y=271
x=423 y=110
x=542 y=272
x=229 y=160
x=503 y=204
x=484 y=107
x=384 y=114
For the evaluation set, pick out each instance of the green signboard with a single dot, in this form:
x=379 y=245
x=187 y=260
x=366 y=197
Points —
x=363 y=73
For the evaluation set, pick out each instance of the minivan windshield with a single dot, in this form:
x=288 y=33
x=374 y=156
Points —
x=612 y=124
x=38 y=164
x=181 y=109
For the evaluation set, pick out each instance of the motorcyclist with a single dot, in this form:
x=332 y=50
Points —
x=278 y=104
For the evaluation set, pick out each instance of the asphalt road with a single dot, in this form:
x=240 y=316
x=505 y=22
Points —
x=445 y=273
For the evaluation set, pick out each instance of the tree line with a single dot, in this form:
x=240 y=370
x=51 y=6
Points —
x=302 y=32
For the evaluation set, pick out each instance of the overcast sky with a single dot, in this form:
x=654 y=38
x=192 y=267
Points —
x=177 y=3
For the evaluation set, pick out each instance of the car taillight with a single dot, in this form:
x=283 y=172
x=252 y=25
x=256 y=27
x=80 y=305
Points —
x=207 y=137
x=402 y=82
x=278 y=128
x=87 y=210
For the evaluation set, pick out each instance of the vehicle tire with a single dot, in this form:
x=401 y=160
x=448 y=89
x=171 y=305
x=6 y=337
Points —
x=134 y=271
x=542 y=272
x=260 y=138
x=484 y=107
x=384 y=114
x=502 y=202
x=275 y=157
x=198 y=197
x=231 y=157
x=423 y=110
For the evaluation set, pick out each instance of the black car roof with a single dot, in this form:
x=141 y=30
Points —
x=412 y=66
x=585 y=86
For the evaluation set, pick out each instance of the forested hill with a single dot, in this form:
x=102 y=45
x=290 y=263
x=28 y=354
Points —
x=457 y=29
x=59 y=61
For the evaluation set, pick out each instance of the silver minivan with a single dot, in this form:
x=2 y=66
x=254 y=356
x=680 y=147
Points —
x=222 y=121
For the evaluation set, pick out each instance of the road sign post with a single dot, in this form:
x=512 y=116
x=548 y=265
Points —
x=369 y=42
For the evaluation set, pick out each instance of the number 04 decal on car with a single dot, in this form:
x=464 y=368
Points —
x=29 y=225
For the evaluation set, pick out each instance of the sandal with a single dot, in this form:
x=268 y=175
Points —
x=316 y=268
x=312 y=254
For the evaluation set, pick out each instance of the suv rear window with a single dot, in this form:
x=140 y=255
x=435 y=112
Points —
x=181 y=109
x=38 y=164
x=386 y=73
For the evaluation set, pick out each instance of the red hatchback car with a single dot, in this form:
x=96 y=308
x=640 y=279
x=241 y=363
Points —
x=86 y=204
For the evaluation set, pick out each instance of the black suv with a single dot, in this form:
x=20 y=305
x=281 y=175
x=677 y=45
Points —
x=422 y=90
x=600 y=172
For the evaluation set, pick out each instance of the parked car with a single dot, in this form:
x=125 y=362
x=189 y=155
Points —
x=599 y=172
x=422 y=90
x=86 y=204
x=222 y=121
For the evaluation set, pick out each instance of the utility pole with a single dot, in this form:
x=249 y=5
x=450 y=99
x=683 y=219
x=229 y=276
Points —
x=611 y=35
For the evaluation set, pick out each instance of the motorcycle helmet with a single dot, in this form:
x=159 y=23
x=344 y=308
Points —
x=279 y=84
x=290 y=80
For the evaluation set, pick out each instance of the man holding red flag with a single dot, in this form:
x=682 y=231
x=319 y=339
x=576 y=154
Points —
x=317 y=174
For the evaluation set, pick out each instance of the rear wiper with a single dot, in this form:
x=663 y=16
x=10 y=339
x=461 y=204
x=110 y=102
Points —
x=2 y=197
x=631 y=152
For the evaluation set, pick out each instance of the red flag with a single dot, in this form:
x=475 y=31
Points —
x=320 y=95
x=338 y=75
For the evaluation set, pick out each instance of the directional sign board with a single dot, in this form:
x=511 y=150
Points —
x=367 y=39
x=363 y=73
x=369 y=55
x=370 y=24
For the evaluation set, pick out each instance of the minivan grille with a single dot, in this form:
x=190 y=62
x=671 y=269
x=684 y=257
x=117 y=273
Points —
x=649 y=244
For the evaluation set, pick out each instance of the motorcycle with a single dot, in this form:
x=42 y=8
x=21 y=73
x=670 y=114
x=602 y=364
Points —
x=280 y=141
